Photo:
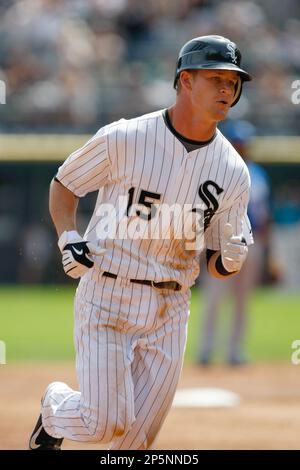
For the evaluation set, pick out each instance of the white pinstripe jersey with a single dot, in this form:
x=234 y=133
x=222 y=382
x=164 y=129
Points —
x=143 y=160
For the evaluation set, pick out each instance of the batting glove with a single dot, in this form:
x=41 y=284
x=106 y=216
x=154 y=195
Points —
x=234 y=249
x=77 y=253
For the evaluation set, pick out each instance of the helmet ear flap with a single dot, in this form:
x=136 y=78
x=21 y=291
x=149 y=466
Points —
x=238 y=91
x=177 y=73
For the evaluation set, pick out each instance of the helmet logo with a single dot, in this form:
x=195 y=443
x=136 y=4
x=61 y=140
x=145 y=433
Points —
x=232 y=52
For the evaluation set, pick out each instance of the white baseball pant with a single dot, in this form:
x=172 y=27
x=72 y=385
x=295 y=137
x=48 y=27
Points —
x=130 y=341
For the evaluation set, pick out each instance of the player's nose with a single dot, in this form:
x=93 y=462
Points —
x=226 y=87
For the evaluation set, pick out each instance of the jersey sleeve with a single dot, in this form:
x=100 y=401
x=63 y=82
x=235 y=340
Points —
x=88 y=168
x=236 y=215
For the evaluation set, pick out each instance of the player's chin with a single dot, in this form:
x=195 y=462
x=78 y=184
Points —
x=221 y=114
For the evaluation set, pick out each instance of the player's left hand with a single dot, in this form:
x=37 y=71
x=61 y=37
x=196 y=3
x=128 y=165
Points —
x=77 y=253
x=234 y=249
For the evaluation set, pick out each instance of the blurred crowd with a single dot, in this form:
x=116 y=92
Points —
x=77 y=64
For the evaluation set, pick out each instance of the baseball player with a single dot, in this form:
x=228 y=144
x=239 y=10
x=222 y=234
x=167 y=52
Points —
x=132 y=301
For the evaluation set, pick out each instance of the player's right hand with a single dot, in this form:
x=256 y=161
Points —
x=77 y=253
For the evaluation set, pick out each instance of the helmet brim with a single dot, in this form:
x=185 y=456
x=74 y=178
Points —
x=224 y=66
x=246 y=77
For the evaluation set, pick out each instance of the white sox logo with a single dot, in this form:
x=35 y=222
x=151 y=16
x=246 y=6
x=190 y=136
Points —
x=232 y=52
x=209 y=200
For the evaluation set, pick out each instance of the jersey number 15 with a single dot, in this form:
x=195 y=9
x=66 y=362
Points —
x=146 y=199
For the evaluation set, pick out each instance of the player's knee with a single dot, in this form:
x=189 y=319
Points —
x=103 y=433
x=103 y=429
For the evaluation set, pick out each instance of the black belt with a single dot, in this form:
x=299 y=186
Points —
x=173 y=285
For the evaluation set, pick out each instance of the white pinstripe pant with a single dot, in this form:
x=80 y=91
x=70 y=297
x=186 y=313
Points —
x=130 y=342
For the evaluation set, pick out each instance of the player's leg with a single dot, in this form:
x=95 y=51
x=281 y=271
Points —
x=242 y=287
x=104 y=406
x=156 y=370
x=213 y=292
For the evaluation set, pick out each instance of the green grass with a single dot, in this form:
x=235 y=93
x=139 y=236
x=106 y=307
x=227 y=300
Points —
x=36 y=324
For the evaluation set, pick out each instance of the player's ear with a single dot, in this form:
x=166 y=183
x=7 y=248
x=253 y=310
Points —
x=186 y=79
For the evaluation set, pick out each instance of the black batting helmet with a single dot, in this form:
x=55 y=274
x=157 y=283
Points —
x=212 y=52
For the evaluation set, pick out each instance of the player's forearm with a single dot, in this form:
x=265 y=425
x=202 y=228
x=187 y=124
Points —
x=63 y=207
x=215 y=266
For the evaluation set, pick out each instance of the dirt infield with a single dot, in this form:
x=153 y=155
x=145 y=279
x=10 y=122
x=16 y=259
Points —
x=268 y=416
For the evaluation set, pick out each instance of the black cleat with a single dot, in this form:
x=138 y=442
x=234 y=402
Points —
x=40 y=440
